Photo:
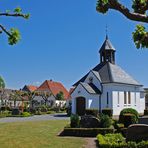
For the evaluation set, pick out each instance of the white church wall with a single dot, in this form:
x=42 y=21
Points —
x=117 y=97
x=92 y=100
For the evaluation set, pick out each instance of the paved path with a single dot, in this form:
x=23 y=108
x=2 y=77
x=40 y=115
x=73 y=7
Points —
x=35 y=118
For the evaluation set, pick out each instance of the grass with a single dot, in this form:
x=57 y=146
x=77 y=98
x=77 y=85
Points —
x=42 y=134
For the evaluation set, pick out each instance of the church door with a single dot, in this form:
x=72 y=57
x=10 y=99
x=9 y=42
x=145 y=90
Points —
x=80 y=106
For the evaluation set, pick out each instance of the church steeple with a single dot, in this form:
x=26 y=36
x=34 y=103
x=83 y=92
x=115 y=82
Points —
x=107 y=52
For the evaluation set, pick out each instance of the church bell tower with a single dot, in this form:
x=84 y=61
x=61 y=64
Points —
x=107 y=52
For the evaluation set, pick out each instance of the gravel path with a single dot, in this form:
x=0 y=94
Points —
x=91 y=143
x=35 y=118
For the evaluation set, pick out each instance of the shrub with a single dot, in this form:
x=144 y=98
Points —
x=93 y=112
x=15 y=111
x=32 y=110
x=128 y=111
x=146 y=112
x=105 y=121
x=107 y=111
x=118 y=141
x=128 y=119
x=43 y=108
x=74 y=121
x=86 y=132
x=25 y=114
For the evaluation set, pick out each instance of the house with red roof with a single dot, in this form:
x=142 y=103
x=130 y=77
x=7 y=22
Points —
x=29 y=88
x=51 y=88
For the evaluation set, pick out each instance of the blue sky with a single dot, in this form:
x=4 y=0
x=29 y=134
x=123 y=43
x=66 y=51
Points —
x=61 y=41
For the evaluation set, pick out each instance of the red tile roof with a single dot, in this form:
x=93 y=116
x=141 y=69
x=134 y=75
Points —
x=54 y=87
x=31 y=88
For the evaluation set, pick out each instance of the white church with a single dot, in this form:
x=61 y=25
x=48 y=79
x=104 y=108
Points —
x=107 y=86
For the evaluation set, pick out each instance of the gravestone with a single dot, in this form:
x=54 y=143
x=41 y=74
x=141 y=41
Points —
x=89 y=121
x=137 y=132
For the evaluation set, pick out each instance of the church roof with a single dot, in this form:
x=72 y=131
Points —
x=107 y=45
x=111 y=73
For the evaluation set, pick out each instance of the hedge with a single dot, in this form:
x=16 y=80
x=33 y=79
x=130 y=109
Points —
x=118 y=141
x=86 y=132
x=93 y=112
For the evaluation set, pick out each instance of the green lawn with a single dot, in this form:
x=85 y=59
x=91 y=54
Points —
x=42 y=134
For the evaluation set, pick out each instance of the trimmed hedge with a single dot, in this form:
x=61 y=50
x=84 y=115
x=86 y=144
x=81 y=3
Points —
x=107 y=111
x=86 y=132
x=118 y=141
x=93 y=112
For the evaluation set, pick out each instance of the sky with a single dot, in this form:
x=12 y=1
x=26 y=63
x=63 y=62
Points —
x=61 y=41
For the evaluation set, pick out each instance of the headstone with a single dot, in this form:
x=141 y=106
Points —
x=89 y=121
x=137 y=132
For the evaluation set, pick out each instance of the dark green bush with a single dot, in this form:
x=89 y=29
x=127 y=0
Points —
x=146 y=112
x=105 y=121
x=86 y=132
x=107 y=111
x=43 y=108
x=32 y=110
x=15 y=111
x=68 y=110
x=74 y=121
x=128 y=111
x=128 y=119
x=93 y=112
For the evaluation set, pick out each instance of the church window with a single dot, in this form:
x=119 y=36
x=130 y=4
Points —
x=91 y=80
x=118 y=97
x=125 y=99
x=107 y=99
x=129 y=97
x=141 y=94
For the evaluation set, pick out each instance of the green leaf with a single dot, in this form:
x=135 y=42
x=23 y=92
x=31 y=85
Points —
x=17 y=10
x=15 y=36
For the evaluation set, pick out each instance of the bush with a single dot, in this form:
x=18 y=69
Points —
x=44 y=108
x=32 y=110
x=74 y=121
x=86 y=132
x=128 y=111
x=111 y=140
x=107 y=111
x=93 y=112
x=146 y=112
x=15 y=111
x=129 y=119
x=118 y=141
x=25 y=114
x=105 y=121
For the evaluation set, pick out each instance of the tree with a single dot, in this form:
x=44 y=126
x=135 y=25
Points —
x=137 y=12
x=45 y=96
x=31 y=96
x=60 y=96
x=2 y=83
x=13 y=34
x=2 y=90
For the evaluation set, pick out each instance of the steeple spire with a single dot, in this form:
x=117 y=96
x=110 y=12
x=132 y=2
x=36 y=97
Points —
x=106 y=32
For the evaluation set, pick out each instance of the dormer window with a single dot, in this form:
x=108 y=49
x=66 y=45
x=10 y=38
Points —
x=91 y=80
